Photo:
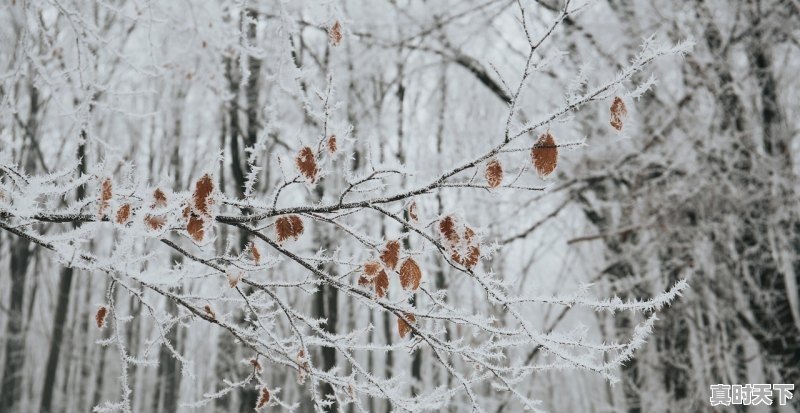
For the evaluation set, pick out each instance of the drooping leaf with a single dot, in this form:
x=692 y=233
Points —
x=307 y=164
x=544 y=154
x=618 y=113
x=105 y=196
x=410 y=274
x=494 y=173
x=381 y=284
x=100 y=316
x=203 y=195
x=403 y=326
x=123 y=214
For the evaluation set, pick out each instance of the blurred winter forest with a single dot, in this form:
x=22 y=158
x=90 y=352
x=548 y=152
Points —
x=397 y=205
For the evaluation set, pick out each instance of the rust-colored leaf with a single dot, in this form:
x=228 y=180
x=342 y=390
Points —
x=618 y=113
x=100 y=316
x=494 y=173
x=331 y=144
x=447 y=227
x=159 y=198
x=210 y=312
x=289 y=226
x=195 y=227
x=123 y=214
x=256 y=365
x=105 y=196
x=307 y=164
x=473 y=256
x=391 y=254
x=155 y=222
x=264 y=398
x=410 y=274
x=371 y=268
x=403 y=326
x=203 y=195
x=335 y=34
x=381 y=284
x=545 y=154
x=255 y=253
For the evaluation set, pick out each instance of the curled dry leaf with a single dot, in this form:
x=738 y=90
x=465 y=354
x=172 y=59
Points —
x=203 y=195
x=494 y=173
x=264 y=398
x=234 y=277
x=100 y=316
x=403 y=326
x=255 y=252
x=447 y=227
x=381 y=284
x=123 y=214
x=105 y=196
x=412 y=211
x=195 y=227
x=335 y=34
x=307 y=164
x=410 y=274
x=545 y=154
x=331 y=144
x=210 y=312
x=289 y=226
x=256 y=365
x=618 y=113
x=391 y=254
x=304 y=367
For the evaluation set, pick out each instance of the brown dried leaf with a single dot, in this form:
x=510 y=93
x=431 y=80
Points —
x=123 y=214
x=105 y=196
x=381 y=284
x=335 y=34
x=289 y=226
x=210 y=312
x=256 y=365
x=364 y=281
x=391 y=254
x=264 y=399
x=447 y=227
x=332 y=144
x=412 y=211
x=473 y=256
x=195 y=227
x=234 y=277
x=544 y=154
x=618 y=113
x=403 y=326
x=494 y=173
x=307 y=164
x=159 y=198
x=410 y=274
x=469 y=233
x=203 y=195
x=100 y=316
x=255 y=253
x=155 y=222
x=371 y=268
x=305 y=367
